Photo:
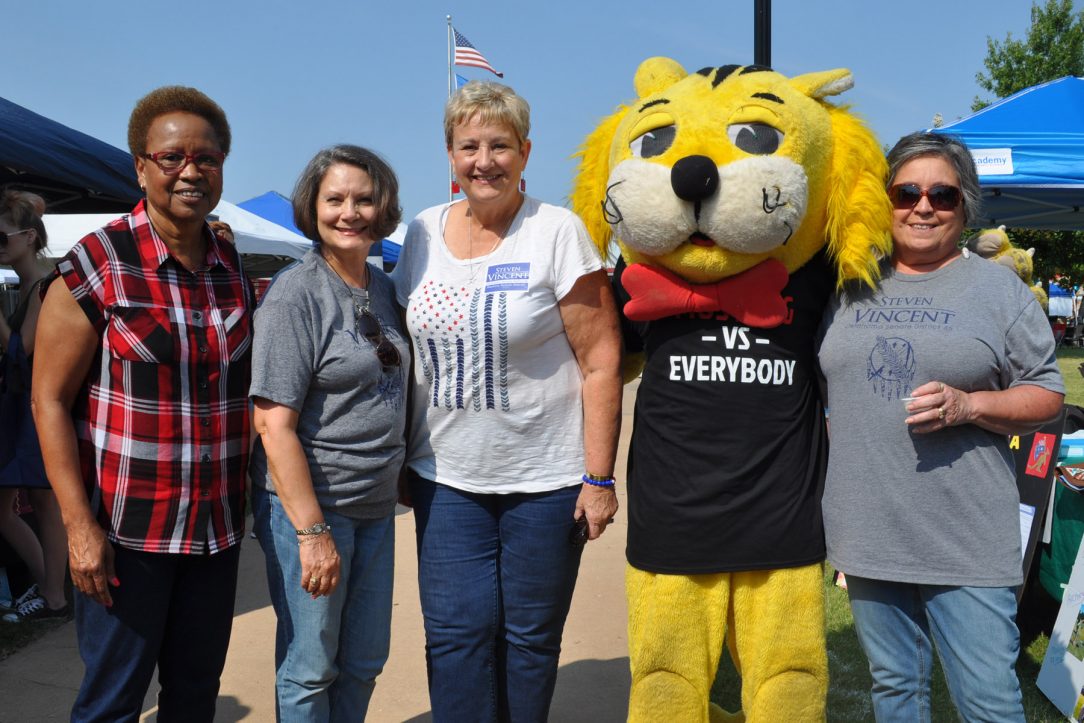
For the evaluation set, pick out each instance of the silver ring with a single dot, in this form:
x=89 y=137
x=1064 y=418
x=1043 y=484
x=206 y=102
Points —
x=942 y=387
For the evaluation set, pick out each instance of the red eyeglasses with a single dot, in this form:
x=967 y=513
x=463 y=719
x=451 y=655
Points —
x=941 y=197
x=173 y=162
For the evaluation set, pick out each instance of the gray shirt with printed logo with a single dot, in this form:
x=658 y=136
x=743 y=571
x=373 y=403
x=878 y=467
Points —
x=308 y=355
x=939 y=508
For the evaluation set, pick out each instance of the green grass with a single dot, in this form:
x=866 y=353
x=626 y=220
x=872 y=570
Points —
x=1069 y=361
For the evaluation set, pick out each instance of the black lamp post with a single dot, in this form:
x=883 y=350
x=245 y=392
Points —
x=762 y=32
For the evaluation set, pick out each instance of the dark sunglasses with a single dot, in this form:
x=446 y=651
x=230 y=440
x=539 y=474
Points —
x=367 y=325
x=941 y=197
x=5 y=236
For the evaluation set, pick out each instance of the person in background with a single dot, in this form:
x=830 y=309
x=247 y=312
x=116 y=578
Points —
x=22 y=245
x=329 y=365
x=143 y=418
x=927 y=376
x=516 y=407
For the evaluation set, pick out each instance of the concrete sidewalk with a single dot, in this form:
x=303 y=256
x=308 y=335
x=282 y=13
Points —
x=39 y=682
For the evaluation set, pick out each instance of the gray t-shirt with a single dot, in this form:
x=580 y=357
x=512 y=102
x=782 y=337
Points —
x=308 y=355
x=939 y=508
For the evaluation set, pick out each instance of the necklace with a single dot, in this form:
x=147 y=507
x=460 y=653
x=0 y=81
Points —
x=363 y=281
x=500 y=237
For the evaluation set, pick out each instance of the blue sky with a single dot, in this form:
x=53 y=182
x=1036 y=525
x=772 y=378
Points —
x=294 y=77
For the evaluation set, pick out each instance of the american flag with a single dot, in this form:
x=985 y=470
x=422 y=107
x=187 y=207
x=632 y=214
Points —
x=467 y=54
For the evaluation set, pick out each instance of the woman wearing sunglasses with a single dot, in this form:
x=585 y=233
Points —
x=926 y=377
x=329 y=365
x=517 y=398
x=22 y=247
x=142 y=412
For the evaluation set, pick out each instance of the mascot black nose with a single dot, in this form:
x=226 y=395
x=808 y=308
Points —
x=694 y=178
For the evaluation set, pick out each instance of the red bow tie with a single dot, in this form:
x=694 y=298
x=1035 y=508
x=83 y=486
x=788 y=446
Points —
x=752 y=297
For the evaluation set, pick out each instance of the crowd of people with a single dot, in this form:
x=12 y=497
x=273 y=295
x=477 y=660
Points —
x=488 y=402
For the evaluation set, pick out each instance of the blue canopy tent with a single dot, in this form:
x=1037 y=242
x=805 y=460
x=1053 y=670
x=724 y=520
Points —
x=73 y=172
x=274 y=207
x=1029 y=151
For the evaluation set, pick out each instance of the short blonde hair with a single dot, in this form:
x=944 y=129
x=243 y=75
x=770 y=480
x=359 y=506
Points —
x=492 y=103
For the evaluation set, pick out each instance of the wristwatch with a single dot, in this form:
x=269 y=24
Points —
x=317 y=529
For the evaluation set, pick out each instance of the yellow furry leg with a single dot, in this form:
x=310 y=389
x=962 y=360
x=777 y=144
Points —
x=779 y=641
x=676 y=629
x=718 y=715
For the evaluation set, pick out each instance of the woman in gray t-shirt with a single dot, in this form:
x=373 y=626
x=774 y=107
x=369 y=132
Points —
x=329 y=361
x=927 y=375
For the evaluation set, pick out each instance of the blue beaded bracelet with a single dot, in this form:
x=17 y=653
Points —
x=596 y=481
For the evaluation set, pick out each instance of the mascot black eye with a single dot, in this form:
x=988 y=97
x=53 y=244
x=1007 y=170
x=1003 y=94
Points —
x=759 y=139
x=654 y=142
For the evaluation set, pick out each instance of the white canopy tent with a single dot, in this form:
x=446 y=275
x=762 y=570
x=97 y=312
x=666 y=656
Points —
x=252 y=234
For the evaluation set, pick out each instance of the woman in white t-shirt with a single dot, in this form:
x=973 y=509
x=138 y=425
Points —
x=516 y=407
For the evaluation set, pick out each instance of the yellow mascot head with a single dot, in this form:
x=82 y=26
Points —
x=994 y=244
x=711 y=173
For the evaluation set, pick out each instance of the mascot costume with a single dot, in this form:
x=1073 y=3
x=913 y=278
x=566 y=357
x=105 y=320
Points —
x=994 y=244
x=740 y=201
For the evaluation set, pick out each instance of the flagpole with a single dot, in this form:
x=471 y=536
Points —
x=450 y=86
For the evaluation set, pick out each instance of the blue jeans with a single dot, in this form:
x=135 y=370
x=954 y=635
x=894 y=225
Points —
x=496 y=574
x=170 y=611
x=974 y=629
x=328 y=651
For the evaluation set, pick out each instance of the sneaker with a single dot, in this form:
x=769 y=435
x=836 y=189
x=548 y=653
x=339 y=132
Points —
x=29 y=594
x=35 y=608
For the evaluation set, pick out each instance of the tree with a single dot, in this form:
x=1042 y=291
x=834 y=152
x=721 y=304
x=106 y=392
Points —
x=1053 y=48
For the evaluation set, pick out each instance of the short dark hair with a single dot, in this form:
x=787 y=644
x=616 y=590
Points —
x=924 y=144
x=19 y=207
x=174 y=99
x=385 y=189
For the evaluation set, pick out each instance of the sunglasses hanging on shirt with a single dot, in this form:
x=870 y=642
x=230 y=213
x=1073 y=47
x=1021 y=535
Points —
x=366 y=324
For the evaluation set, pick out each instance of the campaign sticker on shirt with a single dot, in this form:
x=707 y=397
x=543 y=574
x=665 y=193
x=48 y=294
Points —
x=508 y=277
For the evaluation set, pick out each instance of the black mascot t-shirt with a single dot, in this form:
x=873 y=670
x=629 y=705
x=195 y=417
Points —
x=729 y=447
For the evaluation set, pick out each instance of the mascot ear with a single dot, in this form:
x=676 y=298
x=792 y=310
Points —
x=655 y=74
x=592 y=179
x=859 y=212
x=823 y=84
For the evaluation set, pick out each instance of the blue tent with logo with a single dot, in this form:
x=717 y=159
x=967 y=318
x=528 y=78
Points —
x=73 y=172
x=1029 y=151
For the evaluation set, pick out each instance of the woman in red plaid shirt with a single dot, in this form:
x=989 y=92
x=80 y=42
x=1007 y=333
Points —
x=140 y=398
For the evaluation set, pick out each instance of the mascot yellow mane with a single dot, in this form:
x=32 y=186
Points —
x=710 y=173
